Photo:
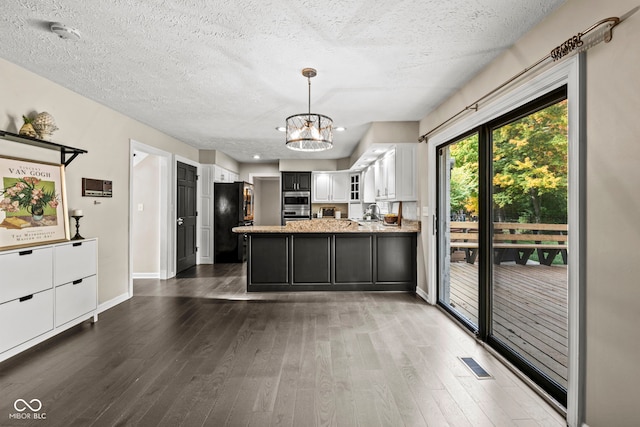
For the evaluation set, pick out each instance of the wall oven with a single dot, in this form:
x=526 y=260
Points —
x=296 y=205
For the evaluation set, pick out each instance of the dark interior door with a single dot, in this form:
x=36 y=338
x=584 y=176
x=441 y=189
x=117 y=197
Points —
x=186 y=212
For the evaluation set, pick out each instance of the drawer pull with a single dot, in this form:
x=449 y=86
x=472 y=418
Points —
x=77 y=244
x=22 y=253
x=28 y=297
x=75 y=282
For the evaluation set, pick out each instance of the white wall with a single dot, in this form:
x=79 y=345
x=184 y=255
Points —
x=105 y=134
x=246 y=170
x=299 y=165
x=146 y=223
x=612 y=176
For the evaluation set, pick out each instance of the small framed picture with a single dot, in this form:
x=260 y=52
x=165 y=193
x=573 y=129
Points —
x=33 y=206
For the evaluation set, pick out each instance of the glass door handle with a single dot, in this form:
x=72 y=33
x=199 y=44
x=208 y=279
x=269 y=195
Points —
x=180 y=221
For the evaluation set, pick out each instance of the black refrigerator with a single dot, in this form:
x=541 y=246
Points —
x=232 y=207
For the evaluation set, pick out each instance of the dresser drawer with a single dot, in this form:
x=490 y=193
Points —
x=74 y=260
x=25 y=272
x=75 y=299
x=24 y=320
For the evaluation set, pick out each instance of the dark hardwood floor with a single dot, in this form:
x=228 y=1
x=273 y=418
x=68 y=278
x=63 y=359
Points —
x=198 y=350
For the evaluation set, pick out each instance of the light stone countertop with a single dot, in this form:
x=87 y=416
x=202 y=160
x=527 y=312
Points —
x=331 y=226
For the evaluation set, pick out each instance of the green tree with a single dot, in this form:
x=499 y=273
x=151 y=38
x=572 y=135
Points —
x=464 y=176
x=530 y=167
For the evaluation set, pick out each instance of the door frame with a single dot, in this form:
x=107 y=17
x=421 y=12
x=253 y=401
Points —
x=166 y=158
x=570 y=72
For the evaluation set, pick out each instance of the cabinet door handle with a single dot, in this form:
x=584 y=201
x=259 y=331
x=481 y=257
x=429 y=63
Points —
x=28 y=297
x=75 y=282
x=77 y=244
x=22 y=253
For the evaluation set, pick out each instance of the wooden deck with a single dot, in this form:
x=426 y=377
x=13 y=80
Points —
x=529 y=313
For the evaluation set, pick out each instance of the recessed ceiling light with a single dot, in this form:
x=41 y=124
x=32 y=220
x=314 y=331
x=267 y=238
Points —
x=281 y=128
x=256 y=156
x=340 y=129
x=65 y=32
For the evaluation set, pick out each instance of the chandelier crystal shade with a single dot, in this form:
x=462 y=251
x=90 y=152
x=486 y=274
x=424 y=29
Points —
x=309 y=131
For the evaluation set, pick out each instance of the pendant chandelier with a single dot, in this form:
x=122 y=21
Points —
x=309 y=132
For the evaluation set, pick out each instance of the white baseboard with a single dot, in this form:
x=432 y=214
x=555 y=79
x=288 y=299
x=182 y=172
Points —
x=146 y=275
x=422 y=294
x=113 y=302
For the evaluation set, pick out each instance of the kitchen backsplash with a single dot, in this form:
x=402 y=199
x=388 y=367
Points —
x=342 y=207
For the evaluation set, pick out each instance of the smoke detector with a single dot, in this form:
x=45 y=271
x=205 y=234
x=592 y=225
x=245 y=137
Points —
x=65 y=32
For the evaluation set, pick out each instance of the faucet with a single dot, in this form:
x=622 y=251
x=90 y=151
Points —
x=374 y=211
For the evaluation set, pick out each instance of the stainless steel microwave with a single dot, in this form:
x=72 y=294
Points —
x=296 y=198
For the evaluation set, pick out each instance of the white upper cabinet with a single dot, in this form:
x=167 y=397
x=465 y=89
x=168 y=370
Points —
x=369 y=185
x=340 y=187
x=355 y=187
x=395 y=174
x=321 y=187
x=406 y=173
x=221 y=174
x=330 y=187
x=380 y=179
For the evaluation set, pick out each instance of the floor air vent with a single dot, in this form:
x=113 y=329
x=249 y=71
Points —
x=477 y=370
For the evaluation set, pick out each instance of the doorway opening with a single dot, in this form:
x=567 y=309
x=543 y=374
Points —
x=267 y=200
x=149 y=226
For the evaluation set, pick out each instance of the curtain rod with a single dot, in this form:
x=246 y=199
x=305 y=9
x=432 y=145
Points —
x=575 y=43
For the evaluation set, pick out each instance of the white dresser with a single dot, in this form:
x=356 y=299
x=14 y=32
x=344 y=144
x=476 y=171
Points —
x=45 y=290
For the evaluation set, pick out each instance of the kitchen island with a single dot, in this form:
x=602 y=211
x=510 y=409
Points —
x=331 y=255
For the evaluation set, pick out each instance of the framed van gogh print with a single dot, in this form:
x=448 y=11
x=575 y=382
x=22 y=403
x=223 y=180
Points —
x=33 y=208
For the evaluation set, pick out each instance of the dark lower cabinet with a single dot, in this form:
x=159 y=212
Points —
x=268 y=261
x=311 y=259
x=395 y=258
x=327 y=262
x=354 y=258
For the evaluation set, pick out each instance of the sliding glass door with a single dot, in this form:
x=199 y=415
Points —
x=502 y=236
x=458 y=217
x=529 y=212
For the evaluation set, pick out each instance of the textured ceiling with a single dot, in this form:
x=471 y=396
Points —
x=223 y=74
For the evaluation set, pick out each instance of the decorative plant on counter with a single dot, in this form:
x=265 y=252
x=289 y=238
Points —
x=30 y=194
